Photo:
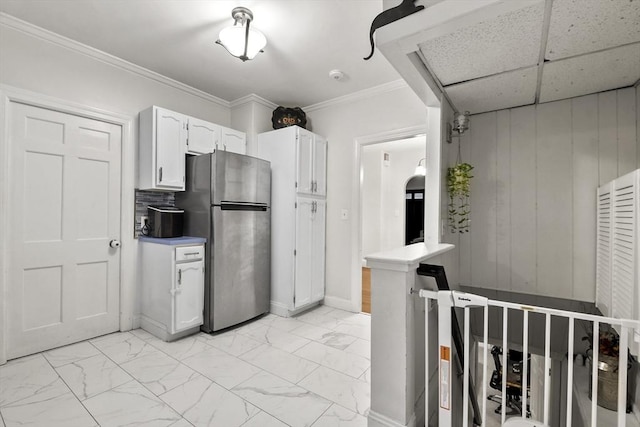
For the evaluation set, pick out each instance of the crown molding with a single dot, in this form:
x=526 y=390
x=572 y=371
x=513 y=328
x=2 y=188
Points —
x=357 y=96
x=252 y=98
x=65 y=42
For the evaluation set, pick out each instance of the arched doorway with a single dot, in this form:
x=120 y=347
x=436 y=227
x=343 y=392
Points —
x=414 y=210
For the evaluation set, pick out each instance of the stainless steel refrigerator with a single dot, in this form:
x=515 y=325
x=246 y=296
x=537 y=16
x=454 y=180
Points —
x=227 y=201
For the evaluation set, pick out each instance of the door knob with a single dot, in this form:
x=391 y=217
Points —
x=114 y=243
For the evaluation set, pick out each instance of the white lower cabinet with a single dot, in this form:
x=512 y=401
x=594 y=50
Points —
x=309 y=252
x=172 y=286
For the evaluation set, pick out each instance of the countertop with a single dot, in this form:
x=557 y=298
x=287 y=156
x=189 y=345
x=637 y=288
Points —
x=406 y=257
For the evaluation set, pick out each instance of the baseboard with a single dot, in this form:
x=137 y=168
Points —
x=283 y=311
x=136 y=322
x=379 y=420
x=279 y=309
x=340 y=303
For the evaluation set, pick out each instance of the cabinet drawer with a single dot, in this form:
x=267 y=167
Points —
x=189 y=253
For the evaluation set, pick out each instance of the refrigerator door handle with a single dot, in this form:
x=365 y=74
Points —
x=242 y=206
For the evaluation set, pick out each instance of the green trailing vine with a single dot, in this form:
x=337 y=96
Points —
x=458 y=187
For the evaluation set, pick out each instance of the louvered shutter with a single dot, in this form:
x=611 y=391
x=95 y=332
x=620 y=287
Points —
x=603 y=250
x=618 y=254
x=624 y=246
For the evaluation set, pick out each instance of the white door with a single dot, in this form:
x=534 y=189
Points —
x=318 y=250
x=171 y=141
x=65 y=209
x=320 y=165
x=305 y=165
x=203 y=136
x=234 y=141
x=303 y=255
x=189 y=295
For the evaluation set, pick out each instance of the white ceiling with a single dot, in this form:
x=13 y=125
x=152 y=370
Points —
x=541 y=52
x=305 y=40
x=544 y=51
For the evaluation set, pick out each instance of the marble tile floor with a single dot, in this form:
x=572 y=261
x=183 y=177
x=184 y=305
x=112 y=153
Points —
x=309 y=370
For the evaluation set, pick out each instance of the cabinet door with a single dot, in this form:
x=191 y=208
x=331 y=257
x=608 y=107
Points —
x=189 y=296
x=170 y=149
x=318 y=250
x=203 y=136
x=320 y=165
x=304 y=176
x=303 y=254
x=234 y=141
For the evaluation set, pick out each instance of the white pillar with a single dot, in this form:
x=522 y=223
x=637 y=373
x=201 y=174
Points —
x=397 y=342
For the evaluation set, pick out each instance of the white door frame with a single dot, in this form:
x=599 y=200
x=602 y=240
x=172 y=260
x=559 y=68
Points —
x=356 y=256
x=10 y=94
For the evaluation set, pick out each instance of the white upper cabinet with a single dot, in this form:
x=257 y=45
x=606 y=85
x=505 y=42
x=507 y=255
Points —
x=162 y=142
x=320 y=165
x=203 y=136
x=233 y=140
x=166 y=136
x=312 y=163
x=304 y=178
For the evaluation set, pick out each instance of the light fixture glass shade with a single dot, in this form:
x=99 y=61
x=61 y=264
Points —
x=257 y=42
x=241 y=40
x=232 y=38
x=461 y=122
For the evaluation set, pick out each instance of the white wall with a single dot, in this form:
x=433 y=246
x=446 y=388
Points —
x=533 y=195
x=61 y=68
x=383 y=190
x=342 y=123
x=43 y=63
x=394 y=179
x=252 y=115
x=371 y=159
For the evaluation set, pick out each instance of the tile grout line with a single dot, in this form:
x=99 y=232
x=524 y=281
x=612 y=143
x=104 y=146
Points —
x=208 y=346
x=69 y=388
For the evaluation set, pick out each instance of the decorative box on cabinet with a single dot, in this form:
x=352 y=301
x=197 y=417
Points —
x=172 y=286
x=162 y=142
x=298 y=207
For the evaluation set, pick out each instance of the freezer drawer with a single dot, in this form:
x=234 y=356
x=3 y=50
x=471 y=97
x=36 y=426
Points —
x=241 y=273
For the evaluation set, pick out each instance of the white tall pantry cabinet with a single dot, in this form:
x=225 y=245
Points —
x=298 y=210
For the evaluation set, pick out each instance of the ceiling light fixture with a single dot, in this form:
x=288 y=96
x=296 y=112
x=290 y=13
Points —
x=240 y=40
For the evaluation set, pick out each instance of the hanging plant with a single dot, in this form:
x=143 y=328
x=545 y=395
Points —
x=458 y=187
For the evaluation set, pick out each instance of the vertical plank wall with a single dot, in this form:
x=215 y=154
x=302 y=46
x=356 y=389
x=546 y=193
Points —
x=533 y=195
